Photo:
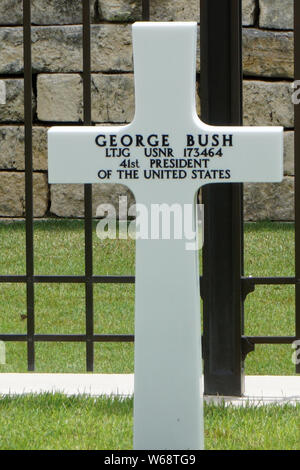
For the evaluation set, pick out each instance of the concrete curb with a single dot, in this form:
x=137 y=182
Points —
x=259 y=390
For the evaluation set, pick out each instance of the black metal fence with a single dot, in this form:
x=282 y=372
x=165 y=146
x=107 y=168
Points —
x=218 y=278
x=30 y=279
x=224 y=286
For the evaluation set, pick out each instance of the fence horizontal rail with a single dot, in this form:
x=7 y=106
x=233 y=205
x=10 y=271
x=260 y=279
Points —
x=128 y=338
x=270 y=339
x=270 y=280
x=130 y=279
x=69 y=279
x=67 y=338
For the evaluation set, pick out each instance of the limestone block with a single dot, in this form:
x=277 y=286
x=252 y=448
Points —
x=11 y=12
x=59 y=49
x=268 y=104
x=54 y=49
x=120 y=10
x=67 y=200
x=248 y=12
x=268 y=53
x=113 y=98
x=2 y=92
x=111 y=48
x=59 y=11
x=69 y=11
x=289 y=153
x=272 y=201
x=181 y=10
x=12 y=194
x=44 y=12
x=40 y=194
x=276 y=14
x=176 y=10
x=11 y=50
x=40 y=148
x=12 y=148
x=13 y=110
x=59 y=97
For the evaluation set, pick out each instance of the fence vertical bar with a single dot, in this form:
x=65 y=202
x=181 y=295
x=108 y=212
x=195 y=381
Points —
x=145 y=10
x=28 y=182
x=297 y=170
x=88 y=215
x=221 y=91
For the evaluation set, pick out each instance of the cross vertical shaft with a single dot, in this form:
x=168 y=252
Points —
x=158 y=50
x=168 y=370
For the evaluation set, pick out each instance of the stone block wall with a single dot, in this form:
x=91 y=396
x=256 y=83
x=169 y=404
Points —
x=57 y=91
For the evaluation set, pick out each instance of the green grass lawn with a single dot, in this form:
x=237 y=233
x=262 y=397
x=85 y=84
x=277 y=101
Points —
x=270 y=310
x=60 y=308
x=58 y=422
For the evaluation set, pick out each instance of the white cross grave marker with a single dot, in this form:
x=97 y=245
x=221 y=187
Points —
x=185 y=154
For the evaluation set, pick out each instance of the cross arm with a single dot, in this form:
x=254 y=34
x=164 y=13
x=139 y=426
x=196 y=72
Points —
x=237 y=154
x=90 y=154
